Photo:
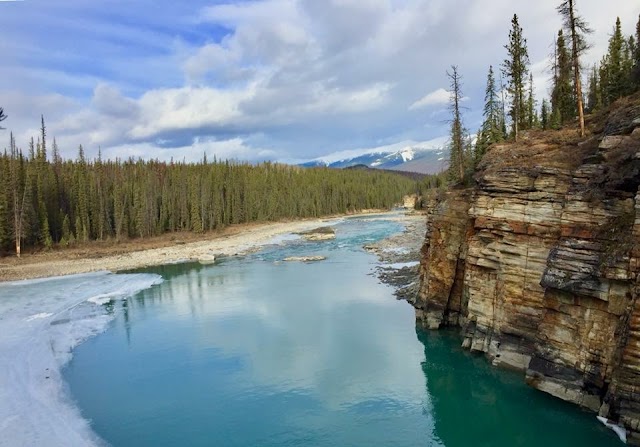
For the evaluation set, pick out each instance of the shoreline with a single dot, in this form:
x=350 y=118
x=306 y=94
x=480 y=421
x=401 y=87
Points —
x=45 y=322
x=233 y=241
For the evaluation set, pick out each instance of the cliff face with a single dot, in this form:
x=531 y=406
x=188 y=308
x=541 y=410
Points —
x=539 y=264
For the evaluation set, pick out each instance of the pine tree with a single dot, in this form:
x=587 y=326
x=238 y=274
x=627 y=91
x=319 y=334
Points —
x=42 y=188
x=613 y=65
x=2 y=117
x=555 y=120
x=594 y=97
x=21 y=195
x=532 y=116
x=67 y=235
x=577 y=29
x=562 y=96
x=83 y=227
x=628 y=65
x=515 y=69
x=491 y=130
x=457 y=146
x=544 y=115
x=5 y=204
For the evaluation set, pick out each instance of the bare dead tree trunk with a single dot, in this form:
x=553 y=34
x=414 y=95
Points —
x=579 y=29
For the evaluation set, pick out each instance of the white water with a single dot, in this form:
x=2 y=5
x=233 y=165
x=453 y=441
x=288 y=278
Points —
x=41 y=321
x=620 y=431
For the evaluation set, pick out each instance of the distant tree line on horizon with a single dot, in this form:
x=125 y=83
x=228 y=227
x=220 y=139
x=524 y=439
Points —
x=47 y=201
x=510 y=106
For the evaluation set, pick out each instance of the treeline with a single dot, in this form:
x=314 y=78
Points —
x=510 y=105
x=618 y=73
x=46 y=201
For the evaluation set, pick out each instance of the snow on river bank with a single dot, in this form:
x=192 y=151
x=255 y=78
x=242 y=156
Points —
x=41 y=321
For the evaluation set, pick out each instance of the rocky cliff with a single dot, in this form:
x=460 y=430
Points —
x=539 y=263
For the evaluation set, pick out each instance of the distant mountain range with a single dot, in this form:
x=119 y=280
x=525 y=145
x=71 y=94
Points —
x=428 y=157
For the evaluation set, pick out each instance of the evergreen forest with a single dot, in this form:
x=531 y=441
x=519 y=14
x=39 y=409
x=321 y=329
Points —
x=510 y=106
x=47 y=201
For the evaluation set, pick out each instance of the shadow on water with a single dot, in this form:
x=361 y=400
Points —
x=476 y=404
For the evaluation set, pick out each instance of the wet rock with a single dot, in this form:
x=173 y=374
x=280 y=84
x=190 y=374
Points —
x=305 y=258
x=611 y=142
x=319 y=234
x=400 y=258
x=207 y=259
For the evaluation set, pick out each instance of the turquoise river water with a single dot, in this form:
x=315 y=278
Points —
x=257 y=352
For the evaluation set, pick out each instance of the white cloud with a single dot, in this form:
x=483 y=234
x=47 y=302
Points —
x=234 y=148
x=435 y=98
x=183 y=108
x=302 y=76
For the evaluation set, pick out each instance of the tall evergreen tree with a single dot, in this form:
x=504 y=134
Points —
x=614 y=87
x=21 y=196
x=516 y=69
x=532 y=116
x=594 y=96
x=42 y=189
x=544 y=115
x=2 y=116
x=457 y=146
x=562 y=96
x=577 y=29
x=628 y=65
x=491 y=131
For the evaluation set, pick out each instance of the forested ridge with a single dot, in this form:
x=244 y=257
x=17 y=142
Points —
x=510 y=107
x=45 y=200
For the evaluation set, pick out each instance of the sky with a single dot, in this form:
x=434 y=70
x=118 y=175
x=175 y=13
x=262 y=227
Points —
x=284 y=80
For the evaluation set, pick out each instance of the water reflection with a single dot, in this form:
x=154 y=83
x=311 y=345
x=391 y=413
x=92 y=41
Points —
x=315 y=328
x=259 y=352
x=473 y=401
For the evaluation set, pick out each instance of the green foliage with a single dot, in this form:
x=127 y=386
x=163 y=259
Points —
x=532 y=116
x=577 y=30
x=492 y=127
x=62 y=201
x=594 y=96
x=615 y=67
x=457 y=147
x=563 y=99
x=544 y=115
x=620 y=67
x=516 y=68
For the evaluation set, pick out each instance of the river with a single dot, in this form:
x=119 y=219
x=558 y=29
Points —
x=254 y=351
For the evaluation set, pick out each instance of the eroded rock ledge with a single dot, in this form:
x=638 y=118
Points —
x=539 y=264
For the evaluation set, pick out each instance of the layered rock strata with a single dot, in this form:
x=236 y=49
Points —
x=539 y=264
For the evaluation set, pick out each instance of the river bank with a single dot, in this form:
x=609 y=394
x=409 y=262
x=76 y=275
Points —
x=400 y=257
x=46 y=319
x=166 y=249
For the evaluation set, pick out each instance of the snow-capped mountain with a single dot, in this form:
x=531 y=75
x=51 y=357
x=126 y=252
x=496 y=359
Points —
x=426 y=157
